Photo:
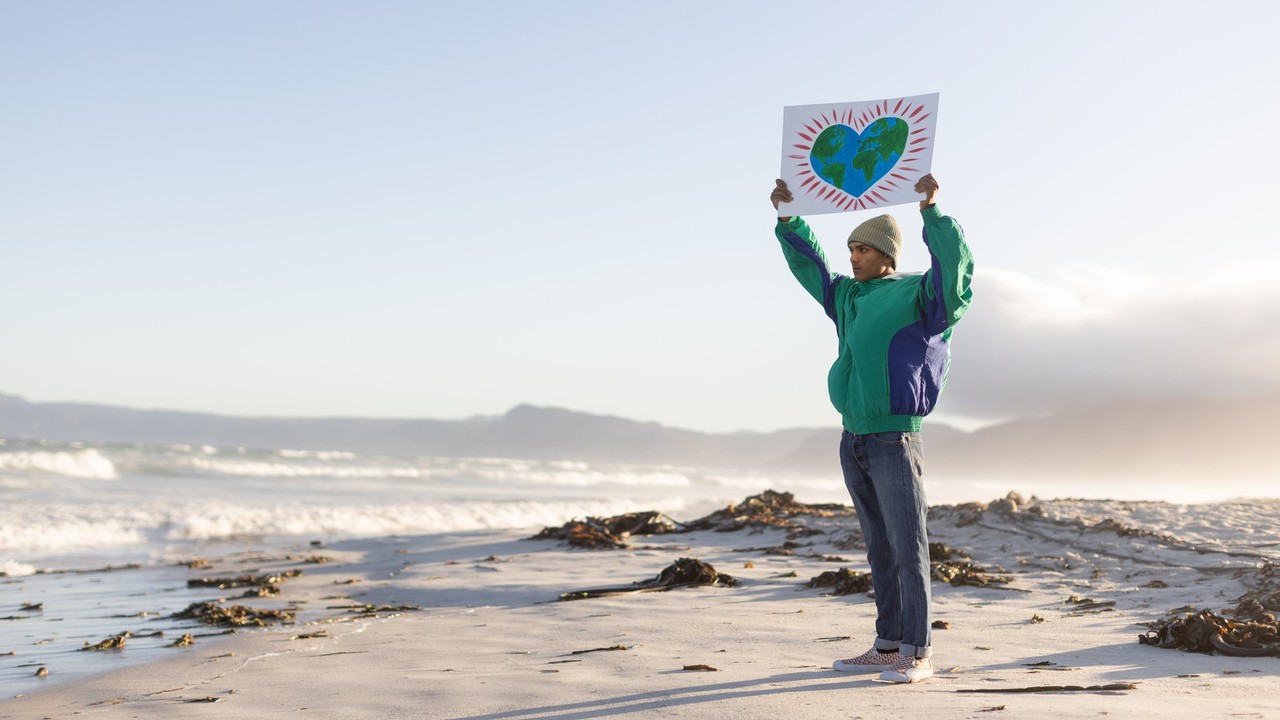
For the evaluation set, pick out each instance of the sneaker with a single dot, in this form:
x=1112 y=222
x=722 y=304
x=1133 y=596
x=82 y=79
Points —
x=909 y=670
x=870 y=661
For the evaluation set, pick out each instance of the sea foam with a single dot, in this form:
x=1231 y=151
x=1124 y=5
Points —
x=87 y=464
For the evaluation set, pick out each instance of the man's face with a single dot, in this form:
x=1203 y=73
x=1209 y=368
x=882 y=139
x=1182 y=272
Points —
x=867 y=262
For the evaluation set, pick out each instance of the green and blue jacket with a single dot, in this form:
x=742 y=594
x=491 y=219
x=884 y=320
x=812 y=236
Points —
x=894 y=332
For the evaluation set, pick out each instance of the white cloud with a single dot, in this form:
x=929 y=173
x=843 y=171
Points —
x=1090 y=335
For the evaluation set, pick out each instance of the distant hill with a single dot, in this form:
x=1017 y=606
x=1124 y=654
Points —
x=1187 y=440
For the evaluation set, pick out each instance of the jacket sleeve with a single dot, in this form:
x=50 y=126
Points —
x=808 y=263
x=946 y=286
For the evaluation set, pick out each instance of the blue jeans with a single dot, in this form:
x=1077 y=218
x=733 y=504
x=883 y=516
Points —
x=884 y=476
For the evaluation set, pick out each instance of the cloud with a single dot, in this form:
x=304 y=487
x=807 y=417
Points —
x=1088 y=336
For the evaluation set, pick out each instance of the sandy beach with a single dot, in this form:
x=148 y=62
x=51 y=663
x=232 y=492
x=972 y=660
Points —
x=1043 y=619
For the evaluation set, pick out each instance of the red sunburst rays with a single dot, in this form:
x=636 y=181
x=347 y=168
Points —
x=904 y=173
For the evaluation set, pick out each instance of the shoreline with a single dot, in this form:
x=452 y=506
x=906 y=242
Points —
x=493 y=641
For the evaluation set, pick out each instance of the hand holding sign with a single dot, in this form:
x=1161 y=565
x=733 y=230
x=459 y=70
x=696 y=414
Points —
x=853 y=156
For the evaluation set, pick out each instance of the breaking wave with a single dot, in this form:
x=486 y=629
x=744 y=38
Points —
x=54 y=528
x=88 y=464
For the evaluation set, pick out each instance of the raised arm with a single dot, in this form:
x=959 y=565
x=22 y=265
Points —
x=804 y=255
x=948 y=282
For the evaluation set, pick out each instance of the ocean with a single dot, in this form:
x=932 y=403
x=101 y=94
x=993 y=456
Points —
x=93 y=538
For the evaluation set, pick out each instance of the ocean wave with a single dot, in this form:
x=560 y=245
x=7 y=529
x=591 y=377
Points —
x=317 y=454
x=35 y=527
x=86 y=464
x=13 y=568
x=262 y=468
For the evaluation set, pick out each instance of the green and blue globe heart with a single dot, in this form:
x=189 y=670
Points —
x=855 y=161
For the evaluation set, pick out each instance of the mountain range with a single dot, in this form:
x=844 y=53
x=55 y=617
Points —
x=1184 y=440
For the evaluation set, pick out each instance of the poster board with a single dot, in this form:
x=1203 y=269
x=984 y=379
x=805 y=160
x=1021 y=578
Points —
x=842 y=157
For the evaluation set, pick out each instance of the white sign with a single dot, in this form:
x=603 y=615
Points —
x=851 y=156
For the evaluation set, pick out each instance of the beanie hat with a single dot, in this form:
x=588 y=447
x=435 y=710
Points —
x=881 y=233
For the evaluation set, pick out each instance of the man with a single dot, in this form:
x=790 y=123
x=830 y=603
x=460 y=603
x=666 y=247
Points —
x=893 y=330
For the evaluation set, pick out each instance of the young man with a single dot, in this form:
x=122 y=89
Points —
x=893 y=330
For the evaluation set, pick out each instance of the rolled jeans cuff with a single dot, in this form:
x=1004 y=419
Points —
x=920 y=651
x=886 y=645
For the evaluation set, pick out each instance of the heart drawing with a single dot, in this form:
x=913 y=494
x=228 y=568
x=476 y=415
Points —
x=854 y=162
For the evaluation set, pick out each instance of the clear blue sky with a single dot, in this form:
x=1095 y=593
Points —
x=440 y=210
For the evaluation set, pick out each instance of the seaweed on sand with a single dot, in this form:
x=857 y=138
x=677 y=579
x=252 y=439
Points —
x=1250 y=629
x=685 y=572
x=235 y=616
x=610 y=533
x=769 y=509
x=843 y=581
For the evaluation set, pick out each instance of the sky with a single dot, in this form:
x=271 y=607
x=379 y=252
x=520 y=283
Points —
x=442 y=210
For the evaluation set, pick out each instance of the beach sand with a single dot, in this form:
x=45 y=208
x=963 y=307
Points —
x=493 y=641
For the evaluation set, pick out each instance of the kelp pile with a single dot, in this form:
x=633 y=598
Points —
x=267 y=580
x=610 y=533
x=235 y=616
x=685 y=572
x=1208 y=632
x=769 y=509
x=1249 y=629
x=958 y=573
x=842 y=582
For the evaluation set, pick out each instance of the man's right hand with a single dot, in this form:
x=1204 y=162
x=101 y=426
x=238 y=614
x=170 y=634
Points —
x=780 y=194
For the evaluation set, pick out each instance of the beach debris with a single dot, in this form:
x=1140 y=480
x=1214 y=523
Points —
x=1208 y=632
x=769 y=509
x=833 y=638
x=115 y=642
x=685 y=572
x=1036 y=619
x=958 y=573
x=786 y=575
x=1085 y=606
x=262 y=591
x=311 y=635
x=940 y=552
x=997 y=708
x=842 y=582
x=748 y=565
x=1110 y=687
x=211 y=613
x=788 y=549
x=610 y=533
x=941 y=625
x=244 y=580
x=185 y=641
x=599 y=649
x=195 y=563
x=1157 y=584
x=318 y=559
x=31 y=607
x=42 y=672
x=366 y=611
x=206 y=699
x=701 y=668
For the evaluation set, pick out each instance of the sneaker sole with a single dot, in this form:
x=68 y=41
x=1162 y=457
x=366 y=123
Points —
x=899 y=678
x=860 y=669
